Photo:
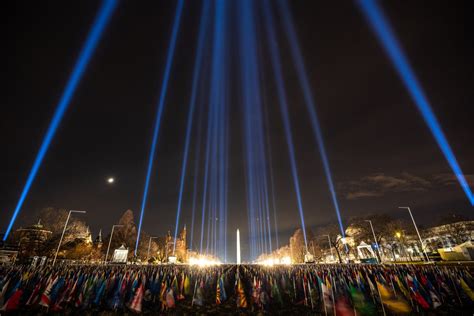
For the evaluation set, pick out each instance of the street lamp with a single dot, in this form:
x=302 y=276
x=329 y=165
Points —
x=417 y=232
x=375 y=240
x=330 y=244
x=64 y=230
x=149 y=246
x=110 y=240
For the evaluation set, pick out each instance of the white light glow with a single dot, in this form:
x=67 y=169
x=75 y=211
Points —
x=270 y=262
x=203 y=262
x=110 y=180
x=285 y=260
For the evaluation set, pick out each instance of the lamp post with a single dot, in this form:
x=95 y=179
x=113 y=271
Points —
x=64 y=230
x=110 y=240
x=379 y=258
x=417 y=232
x=330 y=245
x=149 y=246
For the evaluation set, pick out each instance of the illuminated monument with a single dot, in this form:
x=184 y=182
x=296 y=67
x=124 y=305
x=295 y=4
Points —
x=238 y=246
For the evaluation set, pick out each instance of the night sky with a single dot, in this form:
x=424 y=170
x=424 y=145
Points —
x=381 y=152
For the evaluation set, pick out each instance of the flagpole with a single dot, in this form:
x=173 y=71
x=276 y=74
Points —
x=194 y=293
x=324 y=301
x=310 y=296
x=304 y=291
x=332 y=291
x=455 y=289
x=380 y=296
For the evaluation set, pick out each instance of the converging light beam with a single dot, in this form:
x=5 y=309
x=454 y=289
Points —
x=101 y=21
x=382 y=29
x=282 y=100
x=161 y=102
x=310 y=104
x=192 y=106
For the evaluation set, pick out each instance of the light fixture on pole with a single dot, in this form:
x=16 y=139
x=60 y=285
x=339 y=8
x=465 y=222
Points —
x=110 y=240
x=375 y=240
x=417 y=232
x=149 y=246
x=330 y=245
x=64 y=230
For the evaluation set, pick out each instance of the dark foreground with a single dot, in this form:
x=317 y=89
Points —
x=231 y=289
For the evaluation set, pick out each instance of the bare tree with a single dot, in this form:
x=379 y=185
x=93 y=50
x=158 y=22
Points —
x=335 y=239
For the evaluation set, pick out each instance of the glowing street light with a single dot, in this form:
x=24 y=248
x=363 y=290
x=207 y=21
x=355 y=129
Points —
x=330 y=245
x=64 y=230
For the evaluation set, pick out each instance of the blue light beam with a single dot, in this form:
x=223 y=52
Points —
x=192 y=106
x=101 y=21
x=196 y=177
x=161 y=102
x=282 y=101
x=254 y=144
x=310 y=104
x=382 y=29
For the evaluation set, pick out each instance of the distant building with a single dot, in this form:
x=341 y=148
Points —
x=448 y=235
x=31 y=239
x=180 y=251
x=78 y=232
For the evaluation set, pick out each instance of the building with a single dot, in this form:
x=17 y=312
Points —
x=448 y=235
x=180 y=250
x=31 y=239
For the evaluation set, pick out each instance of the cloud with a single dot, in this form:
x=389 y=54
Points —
x=361 y=194
x=450 y=179
x=380 y=184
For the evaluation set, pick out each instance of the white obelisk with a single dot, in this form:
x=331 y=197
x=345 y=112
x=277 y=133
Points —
x=238 y=246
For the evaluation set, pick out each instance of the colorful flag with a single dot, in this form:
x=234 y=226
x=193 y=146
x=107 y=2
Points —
x=136 y=304
x=361 y=304
x=393 y=303
x=467 y=289
x=13 y=303
x=241 y=299
x=46 y=296
x=199 y=295
x=187 y=286
x=170 y=302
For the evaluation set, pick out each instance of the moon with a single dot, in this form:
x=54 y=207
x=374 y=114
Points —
x=110 y=180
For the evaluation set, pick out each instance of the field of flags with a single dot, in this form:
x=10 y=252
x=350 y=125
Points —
x=232 y=289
